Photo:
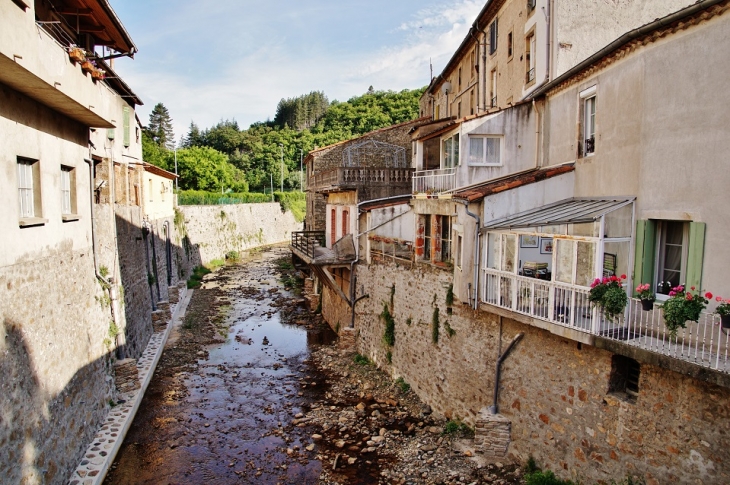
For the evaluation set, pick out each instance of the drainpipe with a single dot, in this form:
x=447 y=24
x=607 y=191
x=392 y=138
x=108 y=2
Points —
x=475 y=302
x=548 y=19
x=495 y=408
x=538 y=118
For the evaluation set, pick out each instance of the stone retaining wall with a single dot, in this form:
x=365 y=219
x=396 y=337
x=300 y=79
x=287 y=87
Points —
x=553 y=391
x=215 y=230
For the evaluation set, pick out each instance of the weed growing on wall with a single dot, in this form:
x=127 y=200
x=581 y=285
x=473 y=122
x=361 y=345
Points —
x=455 y=426
x=361 y=360
x=389 y=334
x=389 y=357
x=449 y=331
x=392 y=295
x=403 y=385
x=450 y=295
x=409 y=320
x=233 y=256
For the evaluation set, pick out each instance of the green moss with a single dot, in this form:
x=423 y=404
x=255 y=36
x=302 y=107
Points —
x=435 y=326
x=450 y=295
x=361 y=360
x=403 y=385
x=389 y=334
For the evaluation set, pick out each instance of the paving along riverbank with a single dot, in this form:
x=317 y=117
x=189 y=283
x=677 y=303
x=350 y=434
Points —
x=252 y=388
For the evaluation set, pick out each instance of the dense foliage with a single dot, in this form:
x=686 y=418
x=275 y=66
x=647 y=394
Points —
x=160 y=127
x=226 y=158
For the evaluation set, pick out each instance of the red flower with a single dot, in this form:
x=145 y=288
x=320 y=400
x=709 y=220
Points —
x=623 y=276
x=692 y=288
x=708 y=295
x=689 y=296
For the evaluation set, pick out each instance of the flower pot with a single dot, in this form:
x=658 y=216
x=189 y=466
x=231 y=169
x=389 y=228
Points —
x=87 y=66
x=647 y=305
x=97 y=74
x=77 y=55
x=725 y=321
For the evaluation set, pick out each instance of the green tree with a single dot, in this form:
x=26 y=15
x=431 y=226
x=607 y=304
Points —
x=194 y=138
x=160 y=127
x=204 y=168
x=152 y=153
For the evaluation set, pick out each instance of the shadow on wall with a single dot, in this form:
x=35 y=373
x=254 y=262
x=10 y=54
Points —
x=152 y=259
x=43 y=436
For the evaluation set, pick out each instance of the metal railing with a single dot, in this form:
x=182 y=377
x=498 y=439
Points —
x=434 y=181
x=530 y=75
x=361 y=176
x=307 y=241
x=702 y=343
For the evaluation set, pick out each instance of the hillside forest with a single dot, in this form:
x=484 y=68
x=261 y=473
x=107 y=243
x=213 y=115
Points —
x=225 y=158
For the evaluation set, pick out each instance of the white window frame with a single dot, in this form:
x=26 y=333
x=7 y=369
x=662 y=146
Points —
x=26 y=195
x=485 y=143
x=531 y=55
x=454 y=151
x=66 y=207
x=588 y=120
x=661 y=237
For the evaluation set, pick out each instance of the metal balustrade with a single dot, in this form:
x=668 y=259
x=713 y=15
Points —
x=361 y=176
x=702 y=343
x=434 y=181
x=307 y=241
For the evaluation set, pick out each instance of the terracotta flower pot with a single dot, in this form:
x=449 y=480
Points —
x=77 y=55
x=87 y=66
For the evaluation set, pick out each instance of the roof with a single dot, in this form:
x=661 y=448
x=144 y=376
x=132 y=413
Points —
x=117 y=84
x=645 y=34
x=479 y=191
x=370 y=133
x=148 y=167
x=98 y=18
x=381 y=203
x=568 y=211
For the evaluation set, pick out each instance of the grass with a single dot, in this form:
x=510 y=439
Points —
x=361 y=360
x=197 y=277
x=455 y=426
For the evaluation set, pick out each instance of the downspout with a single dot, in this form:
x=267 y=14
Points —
x=483 y=70
x=538 y=119
x=113 y=292
x=475 y=297
x=495 y=407
x=548 y=20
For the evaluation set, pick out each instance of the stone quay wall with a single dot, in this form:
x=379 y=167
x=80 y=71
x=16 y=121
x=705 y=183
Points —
x=215 y=230
x=56 y=371
x=553 y=391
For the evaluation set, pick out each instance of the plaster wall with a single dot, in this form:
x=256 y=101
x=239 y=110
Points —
x=158 y=196
x=394 y=221
x=583 y=28
x=659 y=134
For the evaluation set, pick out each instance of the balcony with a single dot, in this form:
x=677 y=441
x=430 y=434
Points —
x=702 y=343
x=307 y=242
x=434 y=182
x=355 y=177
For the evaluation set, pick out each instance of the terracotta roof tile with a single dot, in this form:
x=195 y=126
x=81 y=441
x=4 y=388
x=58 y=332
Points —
x=477 y=192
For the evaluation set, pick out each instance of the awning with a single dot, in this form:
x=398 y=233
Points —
x=568 y=211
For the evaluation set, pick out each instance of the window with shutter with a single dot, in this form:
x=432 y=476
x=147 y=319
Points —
x=125 y=120
x=493 y=37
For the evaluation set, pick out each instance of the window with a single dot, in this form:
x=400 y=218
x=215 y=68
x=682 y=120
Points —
x=493 y=89
x=458 y=110
x=25 y=187
x=671 y=263
x=530 y=58
x=471 y=102
x=624 y=379
x=125 y=126
x=531 y=5
x=588 y=121
x=433 y=241
x=459 y=79
x=451 y=151
x=509 y=44
x=427 y=237
x=484 y=150
x=29 y=192
x=445 y=241
x=68 y=192
x=151 y=197
x=669 y=253
x=458 y=248
x=345 y=222
x=493 y=37
x=333 y=227
x=162 y=191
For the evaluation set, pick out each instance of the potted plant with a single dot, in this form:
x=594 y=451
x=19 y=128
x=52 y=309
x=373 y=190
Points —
x=683 y=306
x=723 y=309
x=609 y=294
x=76 y=54
x=646 y=296
x=88 y=66
x=97 y=74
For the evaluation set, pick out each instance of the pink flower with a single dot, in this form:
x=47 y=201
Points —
x=689 y=297
x=680 y=288
x=719 y=298
x=672 y=293
x=708 y=295
x=692 y=288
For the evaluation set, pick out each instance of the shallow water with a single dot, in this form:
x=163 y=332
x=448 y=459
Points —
x=226 y=418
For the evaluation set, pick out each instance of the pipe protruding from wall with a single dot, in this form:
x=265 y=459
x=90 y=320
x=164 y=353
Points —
x=495 y=407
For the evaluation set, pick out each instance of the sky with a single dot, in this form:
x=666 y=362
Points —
x=208 y=61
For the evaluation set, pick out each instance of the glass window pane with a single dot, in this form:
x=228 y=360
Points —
x=476 y=150
x=563 y=260
x=619 y=222
x=585 y=265
x=455 y=159
x=494 y=244
x=509 y=252
x=675 y=232
x=493 y=150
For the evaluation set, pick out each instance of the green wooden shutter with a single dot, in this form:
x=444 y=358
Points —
x=695 y=254
x=644 y=255
x=126 y=126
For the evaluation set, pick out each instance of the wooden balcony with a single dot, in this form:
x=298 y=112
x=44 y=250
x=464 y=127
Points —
x=356 y=177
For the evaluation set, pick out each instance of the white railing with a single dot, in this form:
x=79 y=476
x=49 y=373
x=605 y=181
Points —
x=702 y=343
x=434 y=181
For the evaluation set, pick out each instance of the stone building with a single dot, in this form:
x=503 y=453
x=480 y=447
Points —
x=71 y=158
x=603 y=170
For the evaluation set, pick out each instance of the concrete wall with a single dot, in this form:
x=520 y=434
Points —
x=659 y=134
x=553 y=390
x=214 y=230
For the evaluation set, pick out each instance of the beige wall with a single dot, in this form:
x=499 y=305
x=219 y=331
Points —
x=158 y=199
x=660 y=135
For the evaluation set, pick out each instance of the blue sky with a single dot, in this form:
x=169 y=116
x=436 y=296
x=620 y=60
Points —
x=235 y=59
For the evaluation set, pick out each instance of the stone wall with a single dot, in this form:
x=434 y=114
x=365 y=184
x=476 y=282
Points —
x=553 y=391
x=214 y=230
x=56 y=373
